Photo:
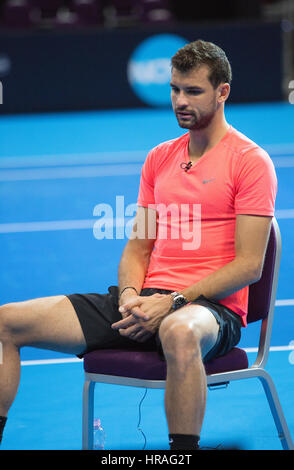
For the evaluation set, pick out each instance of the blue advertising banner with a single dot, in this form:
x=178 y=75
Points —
x=43 y=71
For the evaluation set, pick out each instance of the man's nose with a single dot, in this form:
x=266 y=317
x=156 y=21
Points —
x=182 y=101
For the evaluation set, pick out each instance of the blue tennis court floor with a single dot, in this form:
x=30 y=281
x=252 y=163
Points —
x=54 y=170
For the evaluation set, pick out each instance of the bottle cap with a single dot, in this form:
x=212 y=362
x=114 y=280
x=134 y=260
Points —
x=97 y=422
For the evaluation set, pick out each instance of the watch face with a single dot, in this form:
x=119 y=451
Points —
x=179 y=301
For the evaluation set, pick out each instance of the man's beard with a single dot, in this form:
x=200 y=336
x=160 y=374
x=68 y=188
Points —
x=196 y=123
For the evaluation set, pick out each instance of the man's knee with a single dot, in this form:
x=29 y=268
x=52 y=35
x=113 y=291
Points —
x=5 y=322
x=180 y=341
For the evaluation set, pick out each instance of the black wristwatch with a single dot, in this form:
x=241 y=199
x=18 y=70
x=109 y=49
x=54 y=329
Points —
x=179 y=300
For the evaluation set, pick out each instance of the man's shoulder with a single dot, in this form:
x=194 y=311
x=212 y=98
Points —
x=172 y=144
x=241 y=144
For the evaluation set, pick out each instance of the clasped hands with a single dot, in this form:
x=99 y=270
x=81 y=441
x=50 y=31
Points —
x=142 y=315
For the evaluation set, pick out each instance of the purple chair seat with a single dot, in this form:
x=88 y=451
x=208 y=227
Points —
x=149 y=366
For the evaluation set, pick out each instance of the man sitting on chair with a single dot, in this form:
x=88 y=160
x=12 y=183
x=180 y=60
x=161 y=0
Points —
x=205 y=204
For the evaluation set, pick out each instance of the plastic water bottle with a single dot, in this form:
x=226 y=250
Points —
x=99 y=435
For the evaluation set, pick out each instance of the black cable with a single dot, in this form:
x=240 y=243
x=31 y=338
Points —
x=139 y=422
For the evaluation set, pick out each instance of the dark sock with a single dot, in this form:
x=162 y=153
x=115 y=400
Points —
x=183 y=441
x=3 y=420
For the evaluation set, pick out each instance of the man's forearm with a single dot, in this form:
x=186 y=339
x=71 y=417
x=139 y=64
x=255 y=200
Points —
x=224 y=282
x=133 y=267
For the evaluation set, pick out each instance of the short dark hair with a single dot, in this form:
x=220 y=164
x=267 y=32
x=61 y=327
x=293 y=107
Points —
x=198 y=53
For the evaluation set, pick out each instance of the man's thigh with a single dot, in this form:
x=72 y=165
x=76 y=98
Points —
x=48 y=322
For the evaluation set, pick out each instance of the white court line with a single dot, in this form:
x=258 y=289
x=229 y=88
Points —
x=282 y=154
x=82 y=224
x=284 y=303
x=55 y=225
x=279 y=149
x=90 y=165
x=38 y=362
x=41 y=362
x=284 y=213
x=47 y=226
x=73 y=159
x=289 y=347
x=91 y=171
x=283 y=161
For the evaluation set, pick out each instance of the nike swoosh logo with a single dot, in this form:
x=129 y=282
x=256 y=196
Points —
x=208 y=181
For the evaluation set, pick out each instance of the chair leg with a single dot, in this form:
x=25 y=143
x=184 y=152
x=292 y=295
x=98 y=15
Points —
x=276 y=410
x=88 y=415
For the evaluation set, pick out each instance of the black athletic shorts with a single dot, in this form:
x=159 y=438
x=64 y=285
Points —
x=97 y=312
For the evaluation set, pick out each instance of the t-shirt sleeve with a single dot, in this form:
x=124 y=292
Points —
x=256 y=184
x=146 y=188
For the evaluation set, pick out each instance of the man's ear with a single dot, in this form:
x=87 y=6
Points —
x=224 y=92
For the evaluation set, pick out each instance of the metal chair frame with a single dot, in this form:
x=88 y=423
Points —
x=257 y=370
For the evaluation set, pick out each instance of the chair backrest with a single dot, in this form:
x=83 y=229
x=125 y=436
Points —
x=262 y=292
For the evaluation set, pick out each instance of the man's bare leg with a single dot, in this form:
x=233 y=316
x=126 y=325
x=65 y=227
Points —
x=187 y=336
x=49 y=323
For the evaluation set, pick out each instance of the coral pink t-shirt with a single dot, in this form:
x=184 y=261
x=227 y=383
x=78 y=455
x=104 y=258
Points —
x=196 y=209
